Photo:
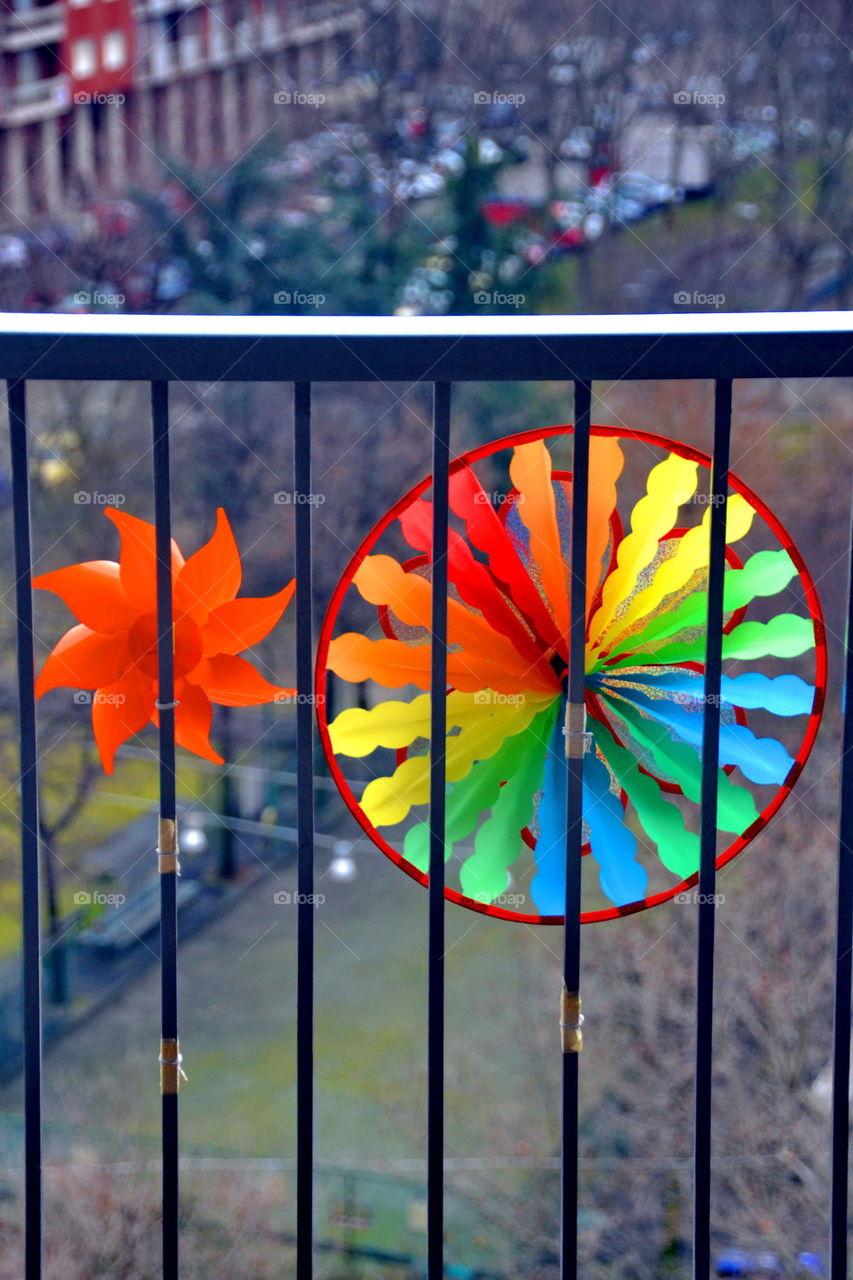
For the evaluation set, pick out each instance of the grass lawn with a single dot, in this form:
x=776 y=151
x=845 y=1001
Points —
x=238 y=1036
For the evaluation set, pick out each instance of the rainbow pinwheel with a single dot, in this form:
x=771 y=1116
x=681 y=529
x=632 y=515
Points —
x=113 y=649
x=508 y=620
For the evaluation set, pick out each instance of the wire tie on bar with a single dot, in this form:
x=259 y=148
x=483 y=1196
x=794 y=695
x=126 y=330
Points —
x=171 y=1071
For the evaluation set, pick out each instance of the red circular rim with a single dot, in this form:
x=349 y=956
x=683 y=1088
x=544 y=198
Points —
x=475 y=455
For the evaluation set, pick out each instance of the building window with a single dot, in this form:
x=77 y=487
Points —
x=83 y=61
x=114 y=50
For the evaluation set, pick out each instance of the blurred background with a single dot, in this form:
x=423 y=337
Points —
x=263 y=157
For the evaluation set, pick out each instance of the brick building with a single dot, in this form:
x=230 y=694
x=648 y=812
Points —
x=94 y=92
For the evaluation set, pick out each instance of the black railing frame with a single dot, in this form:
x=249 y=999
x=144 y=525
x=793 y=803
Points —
x=162 y=350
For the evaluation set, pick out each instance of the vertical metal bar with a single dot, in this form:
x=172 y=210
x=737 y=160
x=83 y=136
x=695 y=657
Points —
x=305 y=838
x=438 y=730
x=29 y=824
x=838 y=1214
x=167 y=843
x=574 y=833
x=708 y=834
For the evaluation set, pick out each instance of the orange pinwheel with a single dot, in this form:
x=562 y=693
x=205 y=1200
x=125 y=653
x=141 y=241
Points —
x=113 y=649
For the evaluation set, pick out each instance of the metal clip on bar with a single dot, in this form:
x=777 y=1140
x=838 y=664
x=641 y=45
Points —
x=571 y=1021
x=171 y=1070
x=167 y=847
x=578 y=741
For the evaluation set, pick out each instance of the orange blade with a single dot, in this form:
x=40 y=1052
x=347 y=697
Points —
x=381 y=580
x=606 y=461
x=212 y=575
x=83 y=659
x=120 y=710
x=234 y=682
x=238 y=624
x=138 y=558
x=94 y=594
x=530 y=471
x=192 y=721
x=393 y=664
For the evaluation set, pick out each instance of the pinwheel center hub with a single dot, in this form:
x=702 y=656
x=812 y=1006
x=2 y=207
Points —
x=187 y=647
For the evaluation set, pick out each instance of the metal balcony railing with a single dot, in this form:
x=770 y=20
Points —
x=29 y=28
x=576 y=350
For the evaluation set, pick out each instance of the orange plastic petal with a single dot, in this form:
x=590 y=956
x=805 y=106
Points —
x=606 y=461
x=381 y=580
x=138 y=558
x=234 y=682
x=120 y=710
x=83 y=659
x=390 y=662
x=212 y=575
x=192 y=721
x=393 y=663
x=94 y=594
x=530 y=470
x=238 y=624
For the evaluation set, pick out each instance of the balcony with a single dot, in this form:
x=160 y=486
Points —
x=576 y=357
x=31 y=28
x=37 y=100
